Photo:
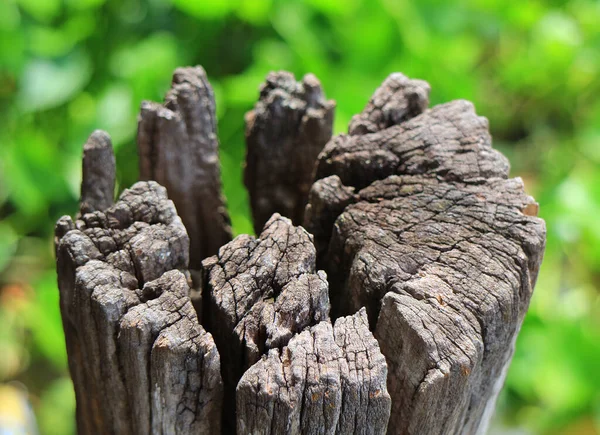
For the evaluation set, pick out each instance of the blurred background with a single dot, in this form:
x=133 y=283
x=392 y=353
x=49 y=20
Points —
x=532 y=67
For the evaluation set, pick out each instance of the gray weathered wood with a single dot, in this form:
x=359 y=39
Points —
x=287 y=129
x=99 y=167
x=178 y=148
x=258 y=293
x=438 y=245
x=327 y=380
x=139 y=359
x=396 y=100
x=429 y=252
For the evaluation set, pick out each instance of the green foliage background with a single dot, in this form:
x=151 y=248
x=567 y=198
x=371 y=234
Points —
x=68 y=67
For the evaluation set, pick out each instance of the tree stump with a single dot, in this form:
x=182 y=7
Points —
x=394 y=310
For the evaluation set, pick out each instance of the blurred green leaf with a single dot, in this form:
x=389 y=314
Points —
x=254 y=11
x=116 y=113
x=9 y=15
x=44 y=322
x=8 y=245
x=533 y=68
x=56 y=413
x=42 y=10
x=205 y=8
x=46 y=84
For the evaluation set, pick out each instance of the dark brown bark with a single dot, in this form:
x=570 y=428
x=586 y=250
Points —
x=178 y=148
x=140 y=361
x=439 y=246
x=430 y=255
x=289 y=126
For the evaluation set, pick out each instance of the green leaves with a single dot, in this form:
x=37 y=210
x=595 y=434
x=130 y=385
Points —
x=68 y=67
x=47 y=84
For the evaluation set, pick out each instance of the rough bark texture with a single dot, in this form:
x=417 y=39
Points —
x=431 y=254
x=140 y=361
x=327 y=380
x=286 y=131
x=258 y=293
x=439 y=246
x=396 y=100
x=178 y=148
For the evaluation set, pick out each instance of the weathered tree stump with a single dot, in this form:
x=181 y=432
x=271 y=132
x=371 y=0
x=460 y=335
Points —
x=439 y=246
x=326 y=380
x=429 y=255
x=258 y=294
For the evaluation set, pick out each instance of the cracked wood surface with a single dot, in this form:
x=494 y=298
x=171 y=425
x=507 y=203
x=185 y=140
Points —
x=140 y=361
x=178 y=148
x=429 y=254
x=327 y=380
x=258 y=293
x=285 y=132
x=417 y=221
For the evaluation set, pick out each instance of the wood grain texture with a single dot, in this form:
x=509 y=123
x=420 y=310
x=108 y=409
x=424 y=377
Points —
x=438 y=245
x=140 y=361
x=98 y=173
x=429 y=255
x=329 y=379
x=287 y=129
x=178 y=148
x=259 y=293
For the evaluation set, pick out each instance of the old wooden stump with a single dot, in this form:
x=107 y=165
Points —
x=394 y=308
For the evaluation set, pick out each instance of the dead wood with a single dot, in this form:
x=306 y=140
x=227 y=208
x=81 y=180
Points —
x=429 y=254
x=436 y=242
x=178 y=147
x=285 y=132
x=140 y=361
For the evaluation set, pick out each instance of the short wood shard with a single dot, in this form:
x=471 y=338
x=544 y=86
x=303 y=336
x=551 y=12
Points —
x=289 y=126
x=165 y=352
x=98 y=175
x=258 y=293
x=327 y=380
x=140 y=361
x=178 y=148
x=439 y=246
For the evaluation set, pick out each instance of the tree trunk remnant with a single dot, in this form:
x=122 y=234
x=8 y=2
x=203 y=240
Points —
x=438 y=245
x=178 y=148
x=140 y=361
x=285 y=132
x=98 y=175
x=258 y=293
x=429 y=255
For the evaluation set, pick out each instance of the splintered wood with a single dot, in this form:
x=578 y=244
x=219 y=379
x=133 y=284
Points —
x=393 y=309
